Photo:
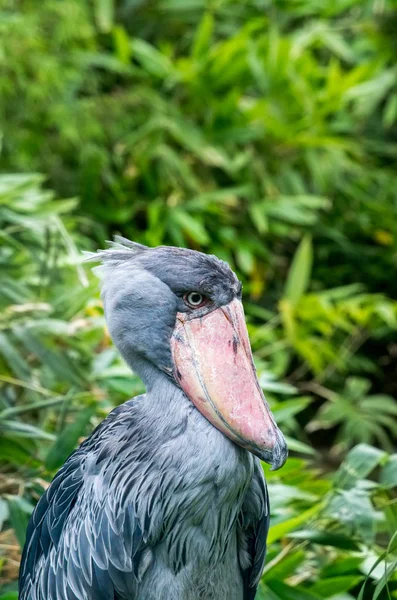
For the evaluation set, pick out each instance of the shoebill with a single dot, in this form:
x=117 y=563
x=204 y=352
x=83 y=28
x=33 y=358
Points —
x=166 y=499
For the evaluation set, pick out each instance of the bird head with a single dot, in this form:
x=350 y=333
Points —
x=179 y=312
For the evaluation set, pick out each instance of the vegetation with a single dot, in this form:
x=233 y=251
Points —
x=261 y=131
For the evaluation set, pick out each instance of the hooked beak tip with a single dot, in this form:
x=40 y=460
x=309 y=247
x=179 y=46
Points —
x=277 y=456
x=280 y=453
x=279 y=461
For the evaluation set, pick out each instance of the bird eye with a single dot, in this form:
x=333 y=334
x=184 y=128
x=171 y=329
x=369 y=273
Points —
x=194 y=299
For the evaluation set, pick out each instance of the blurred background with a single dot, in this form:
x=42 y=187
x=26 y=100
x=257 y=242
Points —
x=264 y=132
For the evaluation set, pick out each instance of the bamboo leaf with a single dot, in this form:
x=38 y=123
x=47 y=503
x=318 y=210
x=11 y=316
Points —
x=328 y=588
x=19 y=513
x=104 y=14
x=24 y=430
x=286 y=592
x=388 y=476
x=359 y=462
x=300 y=271
x=67 y=440
x=283 y=529
x=203 y=35
x=297 y=446
x=326 y=538
x=191 y=227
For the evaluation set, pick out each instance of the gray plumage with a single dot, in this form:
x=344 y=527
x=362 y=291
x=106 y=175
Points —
x=156 y=504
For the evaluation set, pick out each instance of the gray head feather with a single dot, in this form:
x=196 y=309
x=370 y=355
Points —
x=142 y=290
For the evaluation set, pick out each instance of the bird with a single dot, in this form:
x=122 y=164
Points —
x=166 y=499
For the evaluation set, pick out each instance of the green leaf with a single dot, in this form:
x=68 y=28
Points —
x=15 y=183
x=13 y=452
x=203 y=35
x=245 y=259
x=19 y=513
x=39 y=344
x=326 y=538
x=283 y=529
x=24 y=430
x=390 y=111
x=13 y=357
x=359 y=463
x=156 y=63
x=259 y=218
x=31 y=406
x=388 y=476
x=285 y=567
x=4 y=513
x=67 y=440
x=344 y=564
x=299 y=274
x=122 y=44
x=383 y=582
x=376 y=568
x=327 y=588
x=191 y=227
x=354 y=509
x=269 y=384
x=289 y=408
x=258 y=311
x=286 y=592
x=297 y=446
x=104 y=14
x=284 y=495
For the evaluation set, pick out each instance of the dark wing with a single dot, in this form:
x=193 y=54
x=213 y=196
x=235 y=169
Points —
x=254 y=523
x=48 y=518
x=83 y=539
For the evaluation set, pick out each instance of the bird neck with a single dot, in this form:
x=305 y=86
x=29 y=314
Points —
x=165 y=408
x=156 y=381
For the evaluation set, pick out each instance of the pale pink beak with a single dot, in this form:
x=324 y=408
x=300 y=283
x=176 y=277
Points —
x=214 y=367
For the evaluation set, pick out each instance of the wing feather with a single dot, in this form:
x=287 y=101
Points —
x=254 y=529
x=82 y=542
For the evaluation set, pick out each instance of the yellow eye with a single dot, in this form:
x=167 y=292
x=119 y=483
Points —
x=194 y=299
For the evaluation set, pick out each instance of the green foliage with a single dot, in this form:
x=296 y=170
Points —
x=232 y=118
x=261 y=131
x=327 y=533
x=362 y=417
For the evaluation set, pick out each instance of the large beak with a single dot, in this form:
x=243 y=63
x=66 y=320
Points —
x=214 y=367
